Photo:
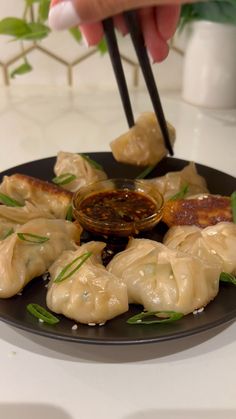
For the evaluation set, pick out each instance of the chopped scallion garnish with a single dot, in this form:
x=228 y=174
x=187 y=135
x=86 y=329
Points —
x=93 y=163
x=32 y=238
x=146 y=172
x=170 y=316
x=181 y=194
x=64 y=179
x=225 y=277
x=10 y=202
x=233 y=205
x=64 y=273
x=69 y=214
x=37 y=311
x=8 y=233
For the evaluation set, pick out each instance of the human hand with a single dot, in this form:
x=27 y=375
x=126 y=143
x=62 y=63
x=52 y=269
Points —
x=158 y=20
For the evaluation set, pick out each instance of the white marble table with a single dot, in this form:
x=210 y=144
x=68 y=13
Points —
x=189 y=378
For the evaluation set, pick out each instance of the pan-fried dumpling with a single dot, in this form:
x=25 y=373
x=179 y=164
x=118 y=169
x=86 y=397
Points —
x=21 y=261
x=91 y=294
x=171 y=183
x=41 y=194
x=6 y=227
x=218 y=240
x=163 y=279
x=79 y=166
x=143 y=144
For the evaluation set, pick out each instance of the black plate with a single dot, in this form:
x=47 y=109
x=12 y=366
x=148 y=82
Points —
x=117 y=331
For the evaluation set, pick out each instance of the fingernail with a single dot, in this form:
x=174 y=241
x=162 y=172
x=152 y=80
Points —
x=63 y=16
x=84 y=40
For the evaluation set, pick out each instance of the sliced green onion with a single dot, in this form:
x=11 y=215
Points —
x=92 y=162
x=233 y=205
x=146 y=172
x=37 y=311
x=64 y=273
x=10 y=202
x=181 y=194
x=224 y=277
x=172 y=316
x=64 y=179
x=69 y=214
x=8 y=233
x=32 y=238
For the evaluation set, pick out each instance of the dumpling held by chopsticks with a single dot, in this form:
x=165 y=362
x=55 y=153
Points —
x=143 y=144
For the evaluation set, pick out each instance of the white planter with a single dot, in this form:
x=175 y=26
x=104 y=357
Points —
x=209 y=77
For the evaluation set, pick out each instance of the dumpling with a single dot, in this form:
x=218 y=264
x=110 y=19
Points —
x=163 y=279
x=143 y=144
x=171 y=183
x=91 y=294
x=79 y=166
x=218 y=240
x=203 y=210
x=6 y=227
x=43 y=195
x=21 y=261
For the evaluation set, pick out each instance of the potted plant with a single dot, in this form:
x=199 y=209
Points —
x=209 y=76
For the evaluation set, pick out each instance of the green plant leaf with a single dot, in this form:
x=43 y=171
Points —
x=76 y=34
x=43 y=10
x=215 y=11
x=36 y=32
x=22 y=69
x=14 y=27
x=102 y=46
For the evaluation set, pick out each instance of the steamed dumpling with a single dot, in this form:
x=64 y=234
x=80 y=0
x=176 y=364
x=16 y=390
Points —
x=91 y=294
x=218 y=240
x=13 y=217
x=163 y=279
x=143 y=144
x=77 y=165
x=41 y=194
x=21 y=261
x=171 y=183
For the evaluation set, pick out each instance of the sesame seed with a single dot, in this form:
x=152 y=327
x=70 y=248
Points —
x=200 y=310
x=19 y=293
x=101 y=324
x=75 y=327
x=139 y=321
x=110 y=252
x=141 y=273
x=92 y=324
x=41 y=321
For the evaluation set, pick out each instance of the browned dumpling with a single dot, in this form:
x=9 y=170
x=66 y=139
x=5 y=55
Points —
x=47 y=197
x=143 y=144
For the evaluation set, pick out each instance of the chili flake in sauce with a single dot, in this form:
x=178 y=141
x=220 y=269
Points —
x=118 y=206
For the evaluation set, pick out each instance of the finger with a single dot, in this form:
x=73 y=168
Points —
x=167 y=18
x=92 y=33
x=68 y=13
x=155 y=44
x=120 y=24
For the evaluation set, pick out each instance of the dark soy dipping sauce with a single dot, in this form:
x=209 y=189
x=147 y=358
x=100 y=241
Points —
x=118 y=206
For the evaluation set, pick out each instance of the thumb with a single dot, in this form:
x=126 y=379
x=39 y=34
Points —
x=68 y=13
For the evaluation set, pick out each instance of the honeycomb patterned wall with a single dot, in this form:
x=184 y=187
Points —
x=60 y=60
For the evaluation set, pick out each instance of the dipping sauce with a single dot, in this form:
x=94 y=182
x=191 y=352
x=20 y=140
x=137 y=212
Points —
x=118 y=207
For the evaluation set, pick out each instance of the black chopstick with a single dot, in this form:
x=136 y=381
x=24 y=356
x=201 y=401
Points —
x=118 y=69
x=139 y=45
